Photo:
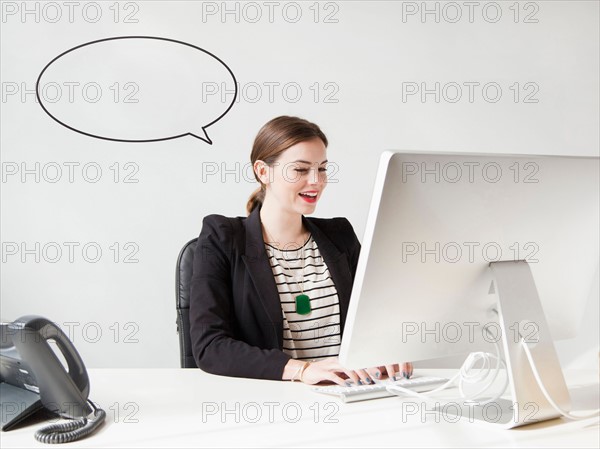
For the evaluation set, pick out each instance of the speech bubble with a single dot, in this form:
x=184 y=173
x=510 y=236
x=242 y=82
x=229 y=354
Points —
x=137 y=89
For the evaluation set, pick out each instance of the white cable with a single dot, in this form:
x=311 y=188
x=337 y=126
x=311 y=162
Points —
x=538 y=379
x=480 y=376
x=466 y=376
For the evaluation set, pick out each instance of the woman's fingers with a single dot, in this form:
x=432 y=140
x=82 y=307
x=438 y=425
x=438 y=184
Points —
x=376 y=373
x=333 y=377
x=330 y=369
x=391 y=371
x=365 y=377
x=407 y=370
x=352 y=376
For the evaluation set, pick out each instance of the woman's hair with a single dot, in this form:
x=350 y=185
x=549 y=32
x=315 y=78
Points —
x=272 y=140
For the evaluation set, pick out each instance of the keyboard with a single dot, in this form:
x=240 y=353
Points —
x=379 y=388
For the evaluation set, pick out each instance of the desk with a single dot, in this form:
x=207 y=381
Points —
x=189 y=408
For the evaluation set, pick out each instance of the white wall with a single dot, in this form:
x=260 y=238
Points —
x=364 y=57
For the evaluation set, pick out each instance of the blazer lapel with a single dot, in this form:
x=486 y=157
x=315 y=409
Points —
x=338 y=266
x=259 y=269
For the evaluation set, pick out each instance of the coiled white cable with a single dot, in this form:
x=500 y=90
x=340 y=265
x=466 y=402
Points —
x=468 y=374
x=465 y=376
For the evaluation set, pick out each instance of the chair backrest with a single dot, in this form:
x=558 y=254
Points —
x=183 y=277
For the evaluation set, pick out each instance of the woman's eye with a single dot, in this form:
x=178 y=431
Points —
x=306 y=170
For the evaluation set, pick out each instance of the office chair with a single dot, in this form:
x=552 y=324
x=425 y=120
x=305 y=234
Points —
x=183 y=277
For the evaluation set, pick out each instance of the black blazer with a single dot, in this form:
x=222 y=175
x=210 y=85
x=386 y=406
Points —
x=236 y=322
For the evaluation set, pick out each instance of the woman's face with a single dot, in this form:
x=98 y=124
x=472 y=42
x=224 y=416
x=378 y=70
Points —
x=297 y=179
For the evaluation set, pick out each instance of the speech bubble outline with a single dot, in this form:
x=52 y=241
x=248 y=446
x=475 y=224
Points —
x=204 y=138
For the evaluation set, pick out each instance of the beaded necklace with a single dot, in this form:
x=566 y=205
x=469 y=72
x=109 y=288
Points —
x=302 y=300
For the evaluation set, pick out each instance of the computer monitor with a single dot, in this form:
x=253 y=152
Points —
x=440 y=257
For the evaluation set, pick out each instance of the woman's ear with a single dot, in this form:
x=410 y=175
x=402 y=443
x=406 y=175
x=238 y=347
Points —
x=262 y=171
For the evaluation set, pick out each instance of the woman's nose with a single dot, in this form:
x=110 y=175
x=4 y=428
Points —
x=317 y=177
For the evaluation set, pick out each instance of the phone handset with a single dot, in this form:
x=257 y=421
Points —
x=63 y=392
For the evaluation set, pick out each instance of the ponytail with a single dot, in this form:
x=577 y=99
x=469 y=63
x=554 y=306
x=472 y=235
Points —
x=256 y=199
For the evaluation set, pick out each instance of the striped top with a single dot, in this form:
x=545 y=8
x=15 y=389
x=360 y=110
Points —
x=317 y=334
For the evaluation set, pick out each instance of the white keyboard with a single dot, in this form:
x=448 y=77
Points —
x=379 y=388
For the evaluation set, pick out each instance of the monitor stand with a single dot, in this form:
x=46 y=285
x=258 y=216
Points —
x=521 y=316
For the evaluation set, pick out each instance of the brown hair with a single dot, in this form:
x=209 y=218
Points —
x=272 y=140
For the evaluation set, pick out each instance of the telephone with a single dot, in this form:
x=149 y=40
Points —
x=33 y=378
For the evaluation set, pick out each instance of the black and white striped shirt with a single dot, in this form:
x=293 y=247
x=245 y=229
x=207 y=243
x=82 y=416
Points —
x=317 y=334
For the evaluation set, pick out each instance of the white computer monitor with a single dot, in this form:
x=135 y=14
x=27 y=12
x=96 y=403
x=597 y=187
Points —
x=440 y=249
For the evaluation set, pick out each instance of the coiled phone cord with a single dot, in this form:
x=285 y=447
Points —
x=71 y=430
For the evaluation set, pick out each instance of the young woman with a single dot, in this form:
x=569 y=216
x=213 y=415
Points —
x=270 y=292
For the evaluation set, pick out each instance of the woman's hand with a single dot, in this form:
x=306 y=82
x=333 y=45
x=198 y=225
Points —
x=404 y=371
x=330 y=369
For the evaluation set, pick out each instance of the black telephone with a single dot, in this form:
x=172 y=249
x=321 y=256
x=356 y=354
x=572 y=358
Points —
x=33 y=378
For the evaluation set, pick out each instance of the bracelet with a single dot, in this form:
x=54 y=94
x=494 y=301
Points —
x=301 y=371
x=304 y=368
x=293 y=379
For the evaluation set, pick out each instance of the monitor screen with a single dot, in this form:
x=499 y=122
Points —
x=423 y=287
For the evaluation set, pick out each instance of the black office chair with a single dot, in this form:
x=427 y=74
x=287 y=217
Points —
x=183 y=277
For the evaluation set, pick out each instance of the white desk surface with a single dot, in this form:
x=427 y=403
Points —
x=189 y=408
